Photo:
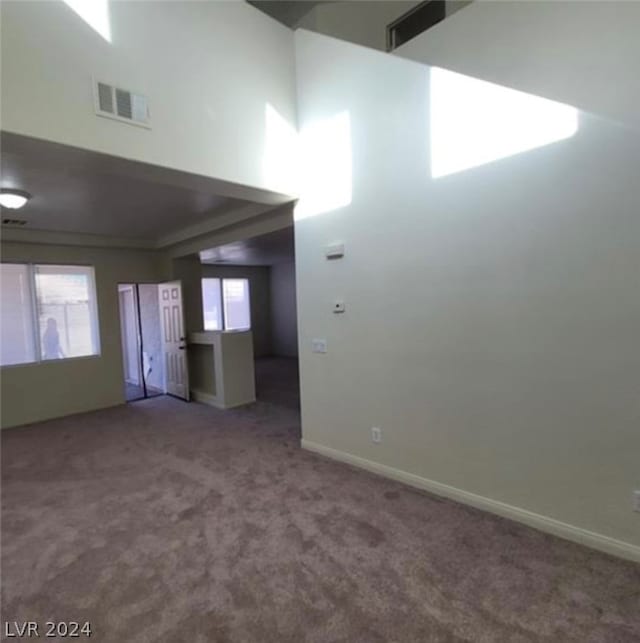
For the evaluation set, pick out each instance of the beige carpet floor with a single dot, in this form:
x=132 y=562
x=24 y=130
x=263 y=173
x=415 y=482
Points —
x=166 y=521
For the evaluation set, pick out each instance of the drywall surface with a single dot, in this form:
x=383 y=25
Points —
x=188 y=271
x=284 y=316
x=34 y=392
x=219 y=77
x=581 y=53
x=151 y=334
x=259 y=298
x=492 y=314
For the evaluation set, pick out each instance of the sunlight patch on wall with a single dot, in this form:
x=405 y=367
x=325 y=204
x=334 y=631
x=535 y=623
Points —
x=474 y=122
x=325 y=166
x=280 y=160
x=95 y=13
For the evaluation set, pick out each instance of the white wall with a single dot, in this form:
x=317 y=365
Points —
x=284 y=317
x=219 y=77
x=492 y=316
x=582 y=53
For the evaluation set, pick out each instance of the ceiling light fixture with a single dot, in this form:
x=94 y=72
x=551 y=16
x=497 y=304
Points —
x=13 y=199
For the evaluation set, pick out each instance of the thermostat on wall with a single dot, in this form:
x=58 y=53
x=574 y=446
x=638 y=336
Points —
x=338 y=306
x=334 y=251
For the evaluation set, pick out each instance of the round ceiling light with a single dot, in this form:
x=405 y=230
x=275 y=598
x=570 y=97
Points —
x=13 y=199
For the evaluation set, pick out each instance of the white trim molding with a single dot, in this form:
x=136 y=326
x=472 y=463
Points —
x=543 y=523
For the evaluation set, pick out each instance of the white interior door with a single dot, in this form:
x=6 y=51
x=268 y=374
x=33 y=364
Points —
x=174 y=341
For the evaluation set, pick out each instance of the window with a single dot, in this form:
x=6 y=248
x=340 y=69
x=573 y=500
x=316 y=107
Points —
x=414 y=22
x=225 y=304
x=211 y=298
x=237 y=315
x=66 y=311
x=48 y=312
x=17 y=335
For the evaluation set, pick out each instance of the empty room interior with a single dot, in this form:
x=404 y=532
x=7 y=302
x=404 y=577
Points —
x=319 y=321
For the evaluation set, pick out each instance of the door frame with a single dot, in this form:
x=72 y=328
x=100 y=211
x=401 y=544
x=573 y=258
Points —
x=134 y=286
x=130 y=345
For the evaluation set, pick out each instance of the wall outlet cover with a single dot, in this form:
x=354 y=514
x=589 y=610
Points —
x=636 y=500
x=376 y=434
x=334 y=251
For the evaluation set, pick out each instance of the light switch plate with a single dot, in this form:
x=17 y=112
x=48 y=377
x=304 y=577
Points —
x=319 y=345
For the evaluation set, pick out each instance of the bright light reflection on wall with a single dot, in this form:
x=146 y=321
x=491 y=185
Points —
x=325 y=166
x=95 y=13
x=474 y=122
x=280 y=161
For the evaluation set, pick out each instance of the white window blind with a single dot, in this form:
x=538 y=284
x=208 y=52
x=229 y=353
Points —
x=16 y=319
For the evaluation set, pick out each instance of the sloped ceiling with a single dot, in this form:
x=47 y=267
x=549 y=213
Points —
x=288 y=13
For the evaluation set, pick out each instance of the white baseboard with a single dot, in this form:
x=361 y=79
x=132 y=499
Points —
x=205 y=398
x=543 y=523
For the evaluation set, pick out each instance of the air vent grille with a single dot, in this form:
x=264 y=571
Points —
x=121 y=104
x=14 y=222
x=105 y=98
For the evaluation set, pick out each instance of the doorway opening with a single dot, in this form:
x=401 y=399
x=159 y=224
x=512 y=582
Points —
x=141 y=341
x=255 y=279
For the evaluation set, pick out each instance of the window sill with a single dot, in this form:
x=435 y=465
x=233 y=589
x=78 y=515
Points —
x=51 y=361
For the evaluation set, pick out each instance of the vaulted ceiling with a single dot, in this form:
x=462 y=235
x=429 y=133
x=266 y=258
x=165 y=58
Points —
x=288 y=13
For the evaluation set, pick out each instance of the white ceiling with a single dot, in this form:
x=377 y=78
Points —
x=266 y=250
x=288 y=12
x=77 y=191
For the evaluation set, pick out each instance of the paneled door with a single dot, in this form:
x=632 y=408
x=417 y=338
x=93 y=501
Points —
x=174 y=340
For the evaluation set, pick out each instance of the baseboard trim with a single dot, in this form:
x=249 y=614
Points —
x=552 y=526
x=205 y=398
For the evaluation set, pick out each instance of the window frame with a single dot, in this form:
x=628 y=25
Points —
x=35 y=320
x=405 y=18
x=221 y=303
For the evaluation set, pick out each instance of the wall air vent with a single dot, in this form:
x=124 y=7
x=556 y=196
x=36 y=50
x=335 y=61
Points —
x=121 y=104
x=14 y=222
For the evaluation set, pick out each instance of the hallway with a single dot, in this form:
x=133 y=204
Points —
x=277 y=381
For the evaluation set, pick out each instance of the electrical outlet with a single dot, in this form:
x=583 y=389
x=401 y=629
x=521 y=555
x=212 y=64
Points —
x=636 y=500
x=376 y=434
